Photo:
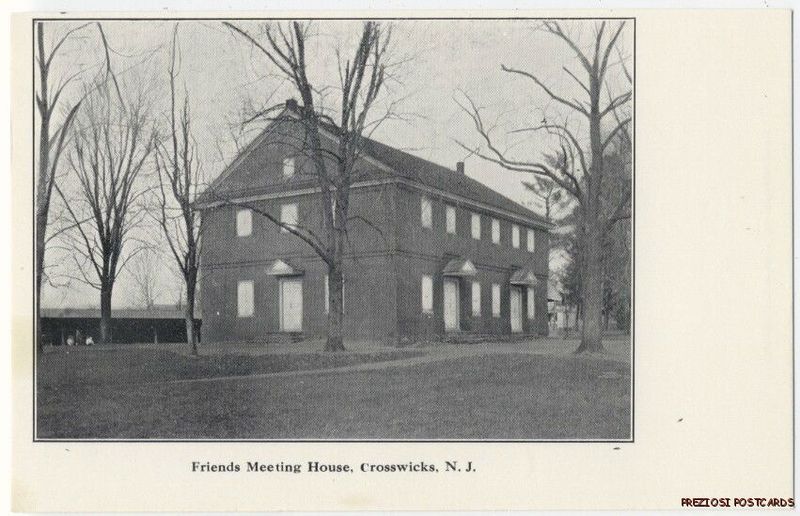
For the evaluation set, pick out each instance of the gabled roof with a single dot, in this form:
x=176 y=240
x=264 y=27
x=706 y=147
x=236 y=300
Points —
x=459 y=267
x=283 y=268
x=524 y=277
x=398 y=163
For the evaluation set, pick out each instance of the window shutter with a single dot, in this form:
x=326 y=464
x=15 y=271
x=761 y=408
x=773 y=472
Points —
x=244 y=298
x=427 y=294
x=244 y=223
x=426 y=214
x=289 y=216
x=288 y=167
x=476 y=298
x=476 y=226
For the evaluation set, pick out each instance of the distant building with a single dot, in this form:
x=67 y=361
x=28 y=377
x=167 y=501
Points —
x=432 y=251
x=128 y=325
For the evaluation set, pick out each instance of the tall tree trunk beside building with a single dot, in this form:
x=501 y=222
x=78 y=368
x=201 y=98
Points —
x=178 y=169
x=576 y=169
x=361 y=78
x=106 y=291
x=191 y=287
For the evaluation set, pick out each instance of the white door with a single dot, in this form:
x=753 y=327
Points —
x=291 y=305
x=516 y=310
x=451 y=322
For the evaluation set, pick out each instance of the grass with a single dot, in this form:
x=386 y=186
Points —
x=514 y=396
x=120 y=366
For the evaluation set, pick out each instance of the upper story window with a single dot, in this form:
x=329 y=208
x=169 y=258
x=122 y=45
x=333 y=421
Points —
x=476 y=298
x=515 y=236
x=426 y=212
x=244 y=299
x=244 y=223
x=289 y=216
x=476 y=226
x=450 y=219
x=531 y=240
x=495 y=300
x=288 y=167
x=427 y=294
x=495 y=231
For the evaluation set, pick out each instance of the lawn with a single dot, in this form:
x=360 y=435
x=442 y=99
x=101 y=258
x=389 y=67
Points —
x=503 y=396
x=97 y=366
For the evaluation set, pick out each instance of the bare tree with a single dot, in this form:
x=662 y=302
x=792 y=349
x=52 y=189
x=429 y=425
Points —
x=579 y=171
x=52 y=138
x=361 y=79
x=548 y=192
x=178 y=179
x=111 y=143
x=144 y=271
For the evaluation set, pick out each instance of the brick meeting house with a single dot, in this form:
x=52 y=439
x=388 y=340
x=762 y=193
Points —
x=432 y=252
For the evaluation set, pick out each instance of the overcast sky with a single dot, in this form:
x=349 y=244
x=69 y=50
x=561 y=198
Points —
x=438 y=61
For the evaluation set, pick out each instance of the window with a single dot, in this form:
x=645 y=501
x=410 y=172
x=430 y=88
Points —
x=476 y=226
x=244 y=299
x=515 y=236
x=476 y=298
x=450 y=218
x=288 y=216
x=495 y=300
x=427 y=294
x=288 y=167
x=531 y=241
x=495 y=231
x=531 y=304
x=427 y=213
x=244 y=223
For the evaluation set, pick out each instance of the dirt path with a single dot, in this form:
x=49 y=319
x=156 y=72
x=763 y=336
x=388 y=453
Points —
x=440 y=353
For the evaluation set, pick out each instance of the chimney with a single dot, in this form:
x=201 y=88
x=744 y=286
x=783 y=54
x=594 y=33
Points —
x=460 y=167
x=291 y=104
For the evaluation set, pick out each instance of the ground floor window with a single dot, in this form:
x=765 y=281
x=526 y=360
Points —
x=244 y=298
x=476 y=298
x=427 y=294
x=495 y=300
x=531 y=304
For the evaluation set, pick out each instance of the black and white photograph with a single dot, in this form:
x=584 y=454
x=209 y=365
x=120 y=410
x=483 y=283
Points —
x=349 y=229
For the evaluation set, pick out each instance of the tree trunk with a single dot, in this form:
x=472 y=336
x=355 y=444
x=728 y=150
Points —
x=335 y=309
x=39 y=274
x=191 y=338
x=592 y=266
x=592 y=291
x=105 y=314
x=42 y=208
